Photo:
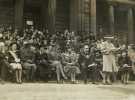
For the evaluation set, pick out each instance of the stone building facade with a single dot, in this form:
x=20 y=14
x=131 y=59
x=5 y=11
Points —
x=93 y=16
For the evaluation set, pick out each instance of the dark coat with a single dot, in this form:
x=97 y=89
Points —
x=27 y=55
x=84 y=60
x=41 y=59
x=124 y=60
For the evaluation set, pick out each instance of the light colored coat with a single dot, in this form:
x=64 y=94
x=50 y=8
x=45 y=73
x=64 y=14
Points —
x=109 y=60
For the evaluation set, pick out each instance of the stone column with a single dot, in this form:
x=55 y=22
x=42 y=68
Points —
x=77 y=15
x=74 y=4
x=44 y=14
x=131 y=35
x=52 y=15
x=93 y=17
x=19 y=7
x=111 y=19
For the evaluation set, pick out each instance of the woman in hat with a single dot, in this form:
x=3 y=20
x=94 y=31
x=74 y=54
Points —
x=109 y=61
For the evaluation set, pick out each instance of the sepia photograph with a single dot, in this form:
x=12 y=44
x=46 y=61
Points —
x=67 y=49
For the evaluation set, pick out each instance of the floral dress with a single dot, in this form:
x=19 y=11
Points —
x=70 y=62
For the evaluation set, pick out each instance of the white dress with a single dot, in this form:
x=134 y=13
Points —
x=109 y=60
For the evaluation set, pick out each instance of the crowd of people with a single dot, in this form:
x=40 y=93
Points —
x=37 y=55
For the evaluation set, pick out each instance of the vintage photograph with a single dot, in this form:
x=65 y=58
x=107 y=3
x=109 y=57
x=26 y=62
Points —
x=67 y=49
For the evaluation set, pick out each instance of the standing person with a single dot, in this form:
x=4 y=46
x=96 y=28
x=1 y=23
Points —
x=70 y=62
x=109 y=62
x=84 y=61
x=14 y=61
x=125 y=64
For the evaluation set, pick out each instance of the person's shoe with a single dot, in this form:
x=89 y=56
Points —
x=85 y=82
x=63 y=82
x=104 y=82
x=74 y=82
x=109 y=83
x=122 y=81
x=58 y=82
x=125 y=83
x=65 y=78
x=95 y=83
x=20 y=82
x=77 y=82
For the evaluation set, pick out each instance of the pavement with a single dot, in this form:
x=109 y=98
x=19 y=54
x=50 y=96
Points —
x=53 y=91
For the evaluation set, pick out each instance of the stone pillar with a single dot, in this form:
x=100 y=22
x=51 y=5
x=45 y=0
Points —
x=77 y=15
x=80 y=15
x=52 y=16
x=111 y=19
x=74 y=4
x=44 y=14
x=19 y=6
x=93 y=17
x=131 y=39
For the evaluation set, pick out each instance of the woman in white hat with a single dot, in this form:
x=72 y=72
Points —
x=109 y=62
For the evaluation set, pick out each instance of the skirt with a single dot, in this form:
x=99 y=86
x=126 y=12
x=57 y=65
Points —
x=15 y=66
x=109 y=63
x=71 y=69
x=125 y=68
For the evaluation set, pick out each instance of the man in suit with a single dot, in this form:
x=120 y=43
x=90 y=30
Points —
x=85 y=61
x=27 y=55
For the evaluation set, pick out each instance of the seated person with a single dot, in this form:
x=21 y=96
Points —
x=27 y=54
x=55 y=61
x=3 y=61
x=42 y=63
x=70 y=62
x=125 y=67
x=95 y=59
x=14 y=62
x=84 y=61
